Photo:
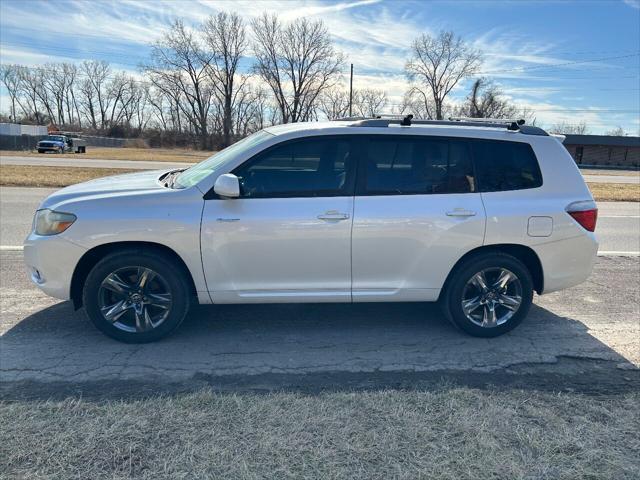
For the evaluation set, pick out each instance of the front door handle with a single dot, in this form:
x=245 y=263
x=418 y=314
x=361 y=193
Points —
x=460 y=212
x=333 y=215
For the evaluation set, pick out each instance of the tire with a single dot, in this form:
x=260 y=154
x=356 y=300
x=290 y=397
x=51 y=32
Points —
x=464 y=285
x=40 y=151
x=165 y=297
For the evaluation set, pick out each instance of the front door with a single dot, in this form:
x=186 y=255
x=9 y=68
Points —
x=288 y=236
x=416 y=213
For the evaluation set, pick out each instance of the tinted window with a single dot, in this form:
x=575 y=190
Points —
x=397 y=165
x=306 y=168
x=505 y=166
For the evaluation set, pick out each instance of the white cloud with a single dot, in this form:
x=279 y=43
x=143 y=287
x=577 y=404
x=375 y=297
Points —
x=632 y=3
x=29 y=57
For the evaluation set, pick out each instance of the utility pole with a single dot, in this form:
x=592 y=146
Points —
x=351 y=90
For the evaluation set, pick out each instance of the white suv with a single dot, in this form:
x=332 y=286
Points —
x=474 y=215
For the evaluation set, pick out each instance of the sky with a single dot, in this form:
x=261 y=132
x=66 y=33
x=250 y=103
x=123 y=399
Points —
x=569 y=61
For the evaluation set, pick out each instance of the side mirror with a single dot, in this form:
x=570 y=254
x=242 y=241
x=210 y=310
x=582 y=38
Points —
x=227 y=185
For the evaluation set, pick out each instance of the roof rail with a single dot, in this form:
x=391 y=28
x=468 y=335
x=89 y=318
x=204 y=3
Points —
x=519 y=121
x=512 y=125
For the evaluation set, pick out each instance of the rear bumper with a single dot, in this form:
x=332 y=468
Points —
x=567 y=262
x=50 y=263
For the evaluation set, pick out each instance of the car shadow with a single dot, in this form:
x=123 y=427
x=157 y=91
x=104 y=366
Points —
x=307 y=348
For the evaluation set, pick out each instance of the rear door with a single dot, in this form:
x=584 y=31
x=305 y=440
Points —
x=416 y=213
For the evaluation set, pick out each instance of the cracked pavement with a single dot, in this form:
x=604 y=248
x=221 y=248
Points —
x=587 y=334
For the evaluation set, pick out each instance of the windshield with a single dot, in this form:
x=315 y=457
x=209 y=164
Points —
x=54 y=138
x=203 y=169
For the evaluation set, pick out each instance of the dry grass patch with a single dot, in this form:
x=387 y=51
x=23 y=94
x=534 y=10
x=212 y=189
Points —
x=615 y=192
x=453 y=433
x=598 y=171
x=31 y=176
x=106 y=153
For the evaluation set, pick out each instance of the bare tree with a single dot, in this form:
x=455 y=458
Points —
x=160 y=107
x=570 y=128
x=58 y=81
x=179 y=62
x=416 y=102
x=225 y=36
x=438 y=64
x=87 y=101
x=486 y=100
x=369 y=101
x=617 y=132
x=10 y=76
x=31 y=87
x=172 y=93
x=297 y=61
x=334 y=103
x=249 y=113
x=96 y=90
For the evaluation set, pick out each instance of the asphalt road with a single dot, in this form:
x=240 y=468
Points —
x=618 y=222
x=586 y=339
x=53 y=161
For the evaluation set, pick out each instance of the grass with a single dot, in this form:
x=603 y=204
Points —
x=597 y=171
x=105 y=153
x=453 y=433
x=615 y=192
x=31 y=176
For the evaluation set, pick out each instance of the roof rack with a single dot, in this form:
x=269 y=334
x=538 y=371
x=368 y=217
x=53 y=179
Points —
x=512 y=125
x=519 y=121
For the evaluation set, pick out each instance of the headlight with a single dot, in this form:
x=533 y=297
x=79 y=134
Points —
x=48 y=222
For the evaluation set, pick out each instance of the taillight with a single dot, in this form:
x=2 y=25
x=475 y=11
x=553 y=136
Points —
x=585 y=213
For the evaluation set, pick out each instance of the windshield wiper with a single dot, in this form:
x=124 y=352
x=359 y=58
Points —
x=170 y=178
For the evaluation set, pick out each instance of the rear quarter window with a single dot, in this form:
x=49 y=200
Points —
x=502 y=166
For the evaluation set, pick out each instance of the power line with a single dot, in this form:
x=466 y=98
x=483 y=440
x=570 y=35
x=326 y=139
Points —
x=556 y=65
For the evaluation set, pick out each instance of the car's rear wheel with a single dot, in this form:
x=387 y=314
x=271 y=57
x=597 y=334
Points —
x=489 y=295
x=40 y=151
x=136 y=296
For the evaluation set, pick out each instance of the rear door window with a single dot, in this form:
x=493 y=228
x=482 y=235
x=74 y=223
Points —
x=395 y=165
x=502 y=166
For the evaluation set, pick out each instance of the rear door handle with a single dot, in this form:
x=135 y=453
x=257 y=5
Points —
x=333 y=215
x=460 y=212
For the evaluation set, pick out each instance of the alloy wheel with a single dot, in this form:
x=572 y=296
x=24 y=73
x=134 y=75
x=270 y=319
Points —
x=135 y=299
x=491 y=297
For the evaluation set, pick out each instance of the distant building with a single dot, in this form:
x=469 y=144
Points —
x=604 y=150
x=17 y=129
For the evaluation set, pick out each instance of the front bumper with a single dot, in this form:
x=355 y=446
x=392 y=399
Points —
x=51 y=261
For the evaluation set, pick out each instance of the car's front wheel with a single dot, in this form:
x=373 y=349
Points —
x=137 y=296
x=489 y=295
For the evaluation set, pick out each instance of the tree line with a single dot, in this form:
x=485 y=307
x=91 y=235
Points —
x=213 y=83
